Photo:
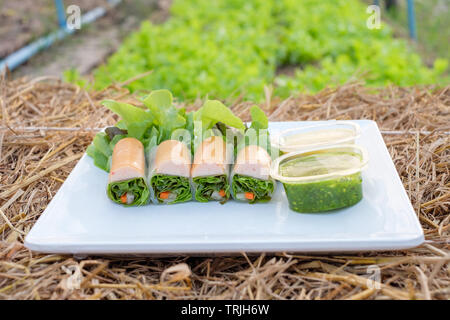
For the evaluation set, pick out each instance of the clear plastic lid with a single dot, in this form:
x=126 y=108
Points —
x=319 y=164
x=326 y=134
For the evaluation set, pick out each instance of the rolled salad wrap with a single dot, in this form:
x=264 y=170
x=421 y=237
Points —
x=126 y=182
x=210 y=171
x=170 y=166
x=250 y=178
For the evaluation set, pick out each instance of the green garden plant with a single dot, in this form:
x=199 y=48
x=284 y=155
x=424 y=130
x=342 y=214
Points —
x=224 y=48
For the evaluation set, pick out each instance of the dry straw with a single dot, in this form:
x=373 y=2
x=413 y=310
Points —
x=46 y=126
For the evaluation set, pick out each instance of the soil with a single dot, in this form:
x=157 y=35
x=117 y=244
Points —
x=25 y=20
x=84 y=50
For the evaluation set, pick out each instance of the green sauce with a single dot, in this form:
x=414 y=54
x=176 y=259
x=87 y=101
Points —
x=322 y=195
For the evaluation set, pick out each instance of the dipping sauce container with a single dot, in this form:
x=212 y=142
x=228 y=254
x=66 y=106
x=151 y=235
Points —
x=322 y=179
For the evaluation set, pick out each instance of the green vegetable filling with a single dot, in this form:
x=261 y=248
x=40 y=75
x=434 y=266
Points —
x=207 y=185
x=325 y=195
x=173 y=184
x=261 y=189
x=137 y=186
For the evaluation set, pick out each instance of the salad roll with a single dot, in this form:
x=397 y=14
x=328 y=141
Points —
x=126 y=182
x=170 y=172
x=251 y=179
x=210 y=171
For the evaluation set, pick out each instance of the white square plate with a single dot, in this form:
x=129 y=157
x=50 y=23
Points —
x=82 y=220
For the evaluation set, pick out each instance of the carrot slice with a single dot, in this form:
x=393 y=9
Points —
x=164 y=195
x=222 y=193
x=249 y=195
x=123 y=198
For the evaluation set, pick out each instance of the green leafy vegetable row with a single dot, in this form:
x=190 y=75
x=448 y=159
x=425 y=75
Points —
x=227 y=47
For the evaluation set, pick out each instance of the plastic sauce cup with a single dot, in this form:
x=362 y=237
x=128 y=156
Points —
x=318 y=135
x=322 y=179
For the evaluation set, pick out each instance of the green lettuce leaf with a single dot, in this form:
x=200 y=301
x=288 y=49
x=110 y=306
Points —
x=137 y=186
x=159 y=99
x=190 y=121
x=211 y=114
x=166 y=116
x=205 y=186
x=257 y=133
x=262 y=189
x=135 y=120
x=121 y=125
x=214 y=111
x=101 y=143
x=135 y=123
x=259 y=118
x=138 y=129
x=151 y=141
x=128 y=112
x=100 y=160
x=175 y=184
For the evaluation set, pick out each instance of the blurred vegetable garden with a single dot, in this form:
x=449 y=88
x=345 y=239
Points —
x=227 y=48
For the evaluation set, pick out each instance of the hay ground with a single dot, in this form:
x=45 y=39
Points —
x=36 y=157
